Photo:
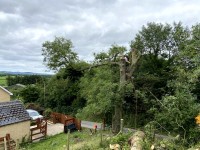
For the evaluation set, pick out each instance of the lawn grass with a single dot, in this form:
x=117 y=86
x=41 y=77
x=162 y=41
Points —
x=3 y=81
x=78 y=141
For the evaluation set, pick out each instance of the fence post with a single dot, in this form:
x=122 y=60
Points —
x=121 y=125
x=17 y=144
x=104 y=123
x=68 y=133
x=101 y=133
x=45 y=128
x=8 y=140
x=5 y=143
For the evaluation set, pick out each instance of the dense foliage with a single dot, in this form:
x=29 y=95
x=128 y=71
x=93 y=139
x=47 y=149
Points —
x=98 y=88
x=61 y=93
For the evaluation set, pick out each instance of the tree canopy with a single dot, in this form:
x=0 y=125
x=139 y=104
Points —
x=58 y=53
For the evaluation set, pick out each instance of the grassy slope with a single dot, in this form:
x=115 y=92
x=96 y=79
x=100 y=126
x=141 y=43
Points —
x=78 y=141
x=84 y=141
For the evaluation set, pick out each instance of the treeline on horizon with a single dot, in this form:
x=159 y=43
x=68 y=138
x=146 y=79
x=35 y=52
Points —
x=25 y=79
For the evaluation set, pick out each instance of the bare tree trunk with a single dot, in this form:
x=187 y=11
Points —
x=116 y=118
x=126 y=71
x=118 y=104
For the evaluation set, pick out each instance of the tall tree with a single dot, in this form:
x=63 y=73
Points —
x=58 y=54
x=61 y=92
x=159 y=45
x=115 y=60
x=183 y=103
x=159 y=40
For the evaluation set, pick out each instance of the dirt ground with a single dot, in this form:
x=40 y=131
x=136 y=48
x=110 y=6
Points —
x=53 y=129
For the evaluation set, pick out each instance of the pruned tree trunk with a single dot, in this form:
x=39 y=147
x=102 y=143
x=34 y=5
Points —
x=116 y=118
x=126 y=71
x=118 y=103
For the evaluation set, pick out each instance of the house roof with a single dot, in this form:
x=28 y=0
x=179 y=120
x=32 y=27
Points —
x=12 y=112
x=15 y=87
x=6 y=90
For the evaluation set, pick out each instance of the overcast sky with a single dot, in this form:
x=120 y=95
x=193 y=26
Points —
x=92 y=25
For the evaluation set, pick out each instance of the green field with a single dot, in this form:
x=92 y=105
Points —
x=3 y=80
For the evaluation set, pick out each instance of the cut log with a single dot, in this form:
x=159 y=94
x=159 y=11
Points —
x=135 y=141
x=115 y=146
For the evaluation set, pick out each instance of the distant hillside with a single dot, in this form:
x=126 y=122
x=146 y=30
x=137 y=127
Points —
x=22 y=73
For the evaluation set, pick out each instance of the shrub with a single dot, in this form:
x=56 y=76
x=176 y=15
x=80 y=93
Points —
x=47 y=112
x=121 y=139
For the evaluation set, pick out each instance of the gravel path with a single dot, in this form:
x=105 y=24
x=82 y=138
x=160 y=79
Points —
x=53 y=129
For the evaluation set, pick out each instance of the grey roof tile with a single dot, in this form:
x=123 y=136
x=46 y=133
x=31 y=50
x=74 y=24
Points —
x=12 y=112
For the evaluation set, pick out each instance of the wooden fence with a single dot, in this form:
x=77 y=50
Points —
x=6 y=143
x=65 y=119
x=40 y=131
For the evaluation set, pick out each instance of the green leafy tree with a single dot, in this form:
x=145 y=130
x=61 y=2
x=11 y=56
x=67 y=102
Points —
x=159 y=45
x=61 y=92
x=120 y=70
x=30 y=94
x=98 y=88
x=183 y=102
x=58 y=53
x=159 y=40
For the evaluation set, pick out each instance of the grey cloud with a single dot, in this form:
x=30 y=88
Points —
x=92 y=25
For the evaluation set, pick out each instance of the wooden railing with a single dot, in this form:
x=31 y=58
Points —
x=40 y=131
x=6 y=143
x=65 y=119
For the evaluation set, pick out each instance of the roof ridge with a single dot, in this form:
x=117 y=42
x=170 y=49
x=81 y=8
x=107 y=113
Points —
x=6 y=90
